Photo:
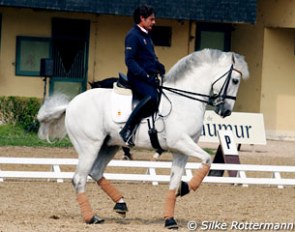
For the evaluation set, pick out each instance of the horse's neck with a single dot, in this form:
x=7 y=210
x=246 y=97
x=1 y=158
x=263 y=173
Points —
x=197 y=81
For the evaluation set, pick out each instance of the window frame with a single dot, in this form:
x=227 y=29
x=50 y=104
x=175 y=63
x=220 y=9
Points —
x=214 y=27
x=20 y=69
x=162 y=36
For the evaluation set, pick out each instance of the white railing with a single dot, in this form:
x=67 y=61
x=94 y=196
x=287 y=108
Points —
x=149 y=171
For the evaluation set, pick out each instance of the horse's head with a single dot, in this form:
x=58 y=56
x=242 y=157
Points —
x=224 y=70
x=226 y=86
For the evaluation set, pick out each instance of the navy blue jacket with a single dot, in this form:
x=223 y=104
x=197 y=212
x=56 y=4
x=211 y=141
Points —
x=140 y=56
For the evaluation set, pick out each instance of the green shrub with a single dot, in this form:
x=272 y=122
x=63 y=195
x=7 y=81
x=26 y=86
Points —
x=21 y=111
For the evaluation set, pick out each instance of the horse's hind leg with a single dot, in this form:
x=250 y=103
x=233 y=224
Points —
x=105 y=156
x=79 y=183
x=87 y=157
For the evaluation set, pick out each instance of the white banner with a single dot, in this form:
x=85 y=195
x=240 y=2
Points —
x=247 y=128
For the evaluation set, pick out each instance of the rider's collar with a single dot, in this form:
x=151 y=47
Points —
x=142 y=29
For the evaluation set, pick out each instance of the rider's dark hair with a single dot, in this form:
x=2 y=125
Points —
x=144 y=11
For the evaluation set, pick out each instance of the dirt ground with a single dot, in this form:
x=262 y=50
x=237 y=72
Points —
x=50 y=206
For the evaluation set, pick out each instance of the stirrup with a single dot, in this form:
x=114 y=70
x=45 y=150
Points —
x=130 y=142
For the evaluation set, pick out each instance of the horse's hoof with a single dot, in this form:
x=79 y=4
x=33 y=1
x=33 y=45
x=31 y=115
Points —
x=183 y=189
x=128 y=157
x=95 y=220
x=125 y=157
x=170 y=223
x=121 y=208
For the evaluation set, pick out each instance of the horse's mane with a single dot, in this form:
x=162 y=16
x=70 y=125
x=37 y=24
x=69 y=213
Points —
x=198 y=58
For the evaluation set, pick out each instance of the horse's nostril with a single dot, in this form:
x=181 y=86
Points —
x=227 y=113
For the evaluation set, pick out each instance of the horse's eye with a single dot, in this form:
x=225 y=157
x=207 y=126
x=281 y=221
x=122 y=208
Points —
x=235 y=81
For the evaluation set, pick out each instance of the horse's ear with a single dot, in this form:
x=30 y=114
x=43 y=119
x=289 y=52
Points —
x=233 y=58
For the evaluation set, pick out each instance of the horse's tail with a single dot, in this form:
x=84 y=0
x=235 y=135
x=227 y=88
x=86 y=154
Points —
x=51 y=116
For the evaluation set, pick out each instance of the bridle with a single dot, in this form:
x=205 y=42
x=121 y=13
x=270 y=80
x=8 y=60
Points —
x=213 y=100
x=222 y=95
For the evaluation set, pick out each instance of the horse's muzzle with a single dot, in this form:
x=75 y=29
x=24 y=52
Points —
x=222 y=110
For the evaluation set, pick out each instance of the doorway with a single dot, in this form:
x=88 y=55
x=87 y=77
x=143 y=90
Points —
x=70 y=42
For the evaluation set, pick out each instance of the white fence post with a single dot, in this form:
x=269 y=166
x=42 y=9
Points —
x=55 y=168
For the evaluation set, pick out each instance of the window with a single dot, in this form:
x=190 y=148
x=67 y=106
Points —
x=161 y=36
x=29 y=52
x=213 y=35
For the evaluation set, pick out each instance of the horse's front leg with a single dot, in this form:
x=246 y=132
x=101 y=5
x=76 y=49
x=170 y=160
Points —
x=188 y=147
x=177 y=170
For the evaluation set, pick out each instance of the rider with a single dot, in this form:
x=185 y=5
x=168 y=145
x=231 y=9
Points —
x=143 y=69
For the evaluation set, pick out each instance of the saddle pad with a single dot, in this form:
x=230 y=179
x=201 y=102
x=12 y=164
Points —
x=121 y=104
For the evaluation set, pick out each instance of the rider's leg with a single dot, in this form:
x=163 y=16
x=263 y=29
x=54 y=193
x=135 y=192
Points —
x=145 y=108
x=134 y=119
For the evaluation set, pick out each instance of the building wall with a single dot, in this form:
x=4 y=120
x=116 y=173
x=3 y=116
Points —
x=247 y=40
x=24 y=22
x=106 y=48
x=268 y=47
x=278 y=82
x=15 y=22
x=277 y=13
x=109 y=44
x=278 y=91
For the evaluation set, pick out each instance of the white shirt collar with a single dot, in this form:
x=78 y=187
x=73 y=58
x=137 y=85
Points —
x=142 y=29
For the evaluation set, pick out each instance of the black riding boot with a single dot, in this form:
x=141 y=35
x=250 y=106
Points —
x=134 y=119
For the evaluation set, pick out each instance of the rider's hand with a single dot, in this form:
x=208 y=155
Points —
x=154 y=81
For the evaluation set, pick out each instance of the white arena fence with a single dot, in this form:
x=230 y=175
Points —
x=150 y=171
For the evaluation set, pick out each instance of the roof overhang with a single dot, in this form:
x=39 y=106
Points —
x=227 y=11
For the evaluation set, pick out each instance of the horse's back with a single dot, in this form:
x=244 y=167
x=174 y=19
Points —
x=87 y=111
x=88 y=99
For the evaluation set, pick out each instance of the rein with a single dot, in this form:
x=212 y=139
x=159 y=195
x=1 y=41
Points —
x=210 y=101
x=184 y=93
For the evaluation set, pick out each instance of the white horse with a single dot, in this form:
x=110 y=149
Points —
x=201 y=77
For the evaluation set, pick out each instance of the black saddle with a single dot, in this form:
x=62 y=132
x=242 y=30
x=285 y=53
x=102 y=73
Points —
x=123 y=81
